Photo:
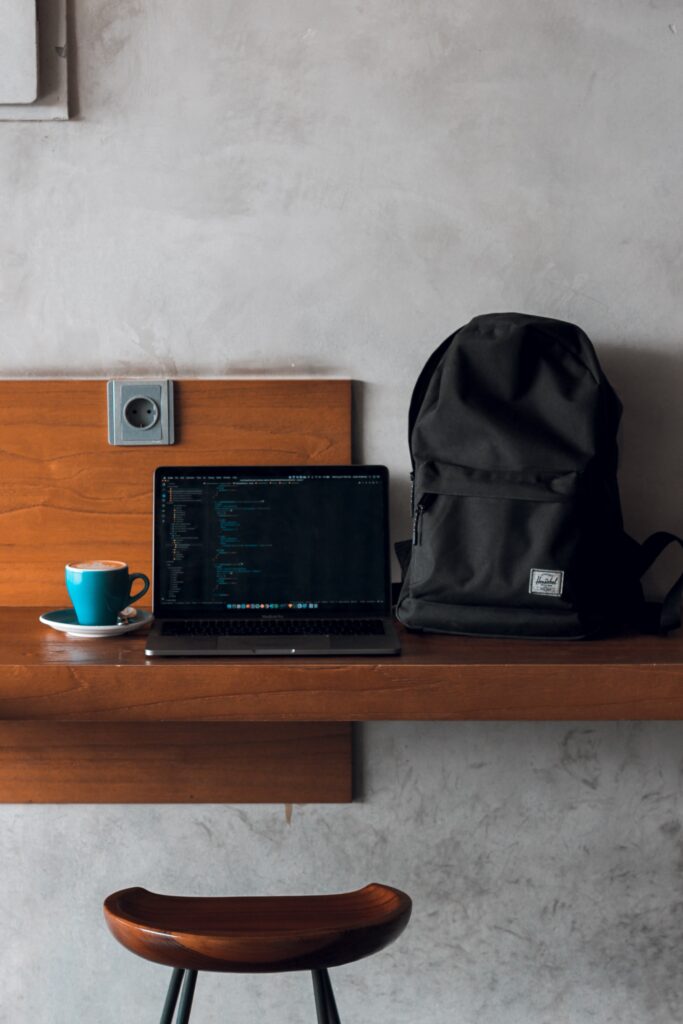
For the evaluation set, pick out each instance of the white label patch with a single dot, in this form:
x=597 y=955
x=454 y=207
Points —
x=548 y=582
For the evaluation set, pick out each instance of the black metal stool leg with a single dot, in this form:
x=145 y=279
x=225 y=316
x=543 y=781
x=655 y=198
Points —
x=325 y=1005
x=332 y=1013
x=320 y=998
x=186 y=998
x=172 y=995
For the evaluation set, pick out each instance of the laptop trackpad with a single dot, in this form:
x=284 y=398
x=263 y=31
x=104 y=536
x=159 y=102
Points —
x=275 y=644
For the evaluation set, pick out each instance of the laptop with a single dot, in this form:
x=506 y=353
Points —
x=271 y=560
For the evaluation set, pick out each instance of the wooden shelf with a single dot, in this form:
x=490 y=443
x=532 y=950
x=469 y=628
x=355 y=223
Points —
x=45 y=676
x=97 y=721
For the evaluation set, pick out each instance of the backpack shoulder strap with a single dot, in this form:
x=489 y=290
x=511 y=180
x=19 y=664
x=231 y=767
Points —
x=669 y=612
x=421 y=386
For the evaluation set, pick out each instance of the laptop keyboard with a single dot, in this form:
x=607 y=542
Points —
x=278 y=627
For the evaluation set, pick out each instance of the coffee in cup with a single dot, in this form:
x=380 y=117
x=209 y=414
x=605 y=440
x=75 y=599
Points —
x=99 y=589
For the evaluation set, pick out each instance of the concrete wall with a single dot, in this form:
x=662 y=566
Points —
x=299 y=188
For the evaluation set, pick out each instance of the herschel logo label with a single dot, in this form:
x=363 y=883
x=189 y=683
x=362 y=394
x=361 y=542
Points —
x=548 y=582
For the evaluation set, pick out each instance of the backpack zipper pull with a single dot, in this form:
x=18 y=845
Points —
x=417 y=523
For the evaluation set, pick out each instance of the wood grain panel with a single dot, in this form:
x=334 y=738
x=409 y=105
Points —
x=68 y=495
x=136 y=762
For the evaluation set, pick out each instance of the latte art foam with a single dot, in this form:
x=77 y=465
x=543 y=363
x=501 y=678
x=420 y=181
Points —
x=96 y=565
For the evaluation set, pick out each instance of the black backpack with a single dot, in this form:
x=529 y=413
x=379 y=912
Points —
x=517 y=525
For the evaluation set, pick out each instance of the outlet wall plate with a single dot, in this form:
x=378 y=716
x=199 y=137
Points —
x=140 y=412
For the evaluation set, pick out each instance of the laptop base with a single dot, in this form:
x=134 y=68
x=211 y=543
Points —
x=159 y=645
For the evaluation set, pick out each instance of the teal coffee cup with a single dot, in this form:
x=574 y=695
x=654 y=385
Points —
x=100 y=589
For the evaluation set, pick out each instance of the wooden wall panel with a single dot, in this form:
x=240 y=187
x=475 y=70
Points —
x=67 y=495
x=161 y=762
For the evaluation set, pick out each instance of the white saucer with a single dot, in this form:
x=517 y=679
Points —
x=64 y=620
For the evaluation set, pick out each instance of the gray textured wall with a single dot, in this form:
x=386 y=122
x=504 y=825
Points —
x=298 y=187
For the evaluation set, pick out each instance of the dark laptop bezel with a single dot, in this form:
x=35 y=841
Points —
x=198 y=612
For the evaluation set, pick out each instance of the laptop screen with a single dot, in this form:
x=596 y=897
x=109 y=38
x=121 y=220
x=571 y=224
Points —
x=252 y=541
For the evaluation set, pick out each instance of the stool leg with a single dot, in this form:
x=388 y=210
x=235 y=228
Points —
x=186 y=998
x=325 y=1005
x=172 y=995
x=331 y=1005
x=320 y=998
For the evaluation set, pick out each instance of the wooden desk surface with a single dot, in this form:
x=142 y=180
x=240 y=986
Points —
x=45 y=676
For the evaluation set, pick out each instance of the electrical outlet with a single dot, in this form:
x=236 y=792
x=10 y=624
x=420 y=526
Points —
x=140 y=411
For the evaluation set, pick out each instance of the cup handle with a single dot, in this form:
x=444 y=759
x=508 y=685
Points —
x=131 y=579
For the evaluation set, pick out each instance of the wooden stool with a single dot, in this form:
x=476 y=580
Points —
x=256 y=934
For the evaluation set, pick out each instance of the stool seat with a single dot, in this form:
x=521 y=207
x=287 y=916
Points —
x=256 y=934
